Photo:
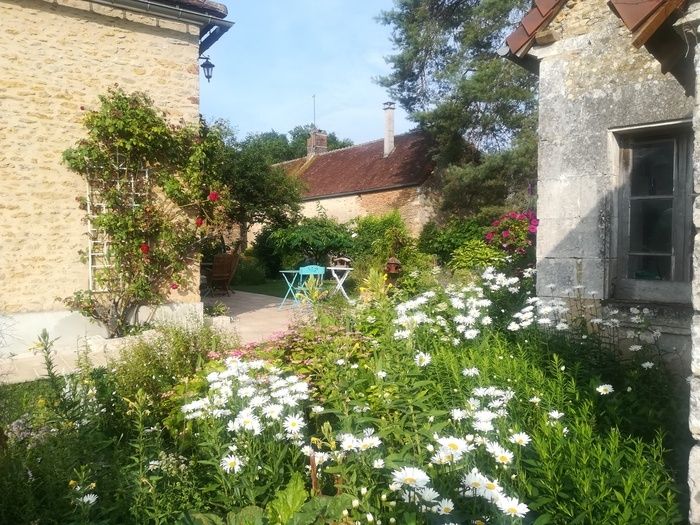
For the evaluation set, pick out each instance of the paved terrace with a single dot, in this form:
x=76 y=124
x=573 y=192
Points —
x=253 y=318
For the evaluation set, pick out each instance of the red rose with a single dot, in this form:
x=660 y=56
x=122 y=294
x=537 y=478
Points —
x=174 y=286
x=145 y=248
x=213 y=196
x=198 y=221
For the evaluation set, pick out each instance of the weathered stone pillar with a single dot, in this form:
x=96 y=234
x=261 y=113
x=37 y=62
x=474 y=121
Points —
x=688 y=26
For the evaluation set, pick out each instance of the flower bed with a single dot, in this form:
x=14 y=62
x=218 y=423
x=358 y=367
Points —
x=471 y=403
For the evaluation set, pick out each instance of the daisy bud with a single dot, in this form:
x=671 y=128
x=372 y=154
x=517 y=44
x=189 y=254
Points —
x=363 y=491
x=355 y=503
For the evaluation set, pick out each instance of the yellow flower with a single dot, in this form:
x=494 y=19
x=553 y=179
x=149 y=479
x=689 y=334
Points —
x=72 y=483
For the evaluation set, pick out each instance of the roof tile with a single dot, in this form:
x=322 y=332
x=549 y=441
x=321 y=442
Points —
x=363 y=168
x=634 y=12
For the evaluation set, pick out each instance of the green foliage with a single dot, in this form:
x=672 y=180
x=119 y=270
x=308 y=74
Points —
x=448 y=70
x=378 y=237
x=259 y=192
x=249 y=271
x=475 y=255
x=442 y=240
x=448 y=75
x=264 y=249
x=495 y=181
x=312 y=238
x=154 y=364
x=277 y=147
x=166 y=438
x=157 y=199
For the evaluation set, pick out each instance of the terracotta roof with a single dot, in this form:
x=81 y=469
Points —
x=642 y=17
x=208 y=7
x=363 y=168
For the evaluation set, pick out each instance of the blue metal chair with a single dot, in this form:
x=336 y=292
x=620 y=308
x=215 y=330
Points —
x=305 y=273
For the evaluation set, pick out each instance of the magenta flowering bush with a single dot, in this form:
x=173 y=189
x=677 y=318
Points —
x=514 y=231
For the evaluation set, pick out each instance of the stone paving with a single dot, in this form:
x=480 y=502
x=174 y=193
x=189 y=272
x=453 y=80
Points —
x=252 y=317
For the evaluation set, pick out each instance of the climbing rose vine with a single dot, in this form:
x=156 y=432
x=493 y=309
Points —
x=153 y=199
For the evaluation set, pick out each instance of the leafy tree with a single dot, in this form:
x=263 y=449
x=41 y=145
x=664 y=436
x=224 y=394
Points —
x=313 y=238
x=278 y=147
x=258 y=191
x=156 y=198
x=448 y=75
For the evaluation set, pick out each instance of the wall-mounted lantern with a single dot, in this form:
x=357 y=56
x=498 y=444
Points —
x=207 y=67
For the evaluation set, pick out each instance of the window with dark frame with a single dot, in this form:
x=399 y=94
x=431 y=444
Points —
x=655 y=215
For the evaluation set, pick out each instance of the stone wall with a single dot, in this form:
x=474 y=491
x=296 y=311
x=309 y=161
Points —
x=593 y=82
x=413 y=204
x=57 y=57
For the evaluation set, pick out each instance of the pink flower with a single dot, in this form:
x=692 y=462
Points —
x=532 y=228
x=174 y=286
x=505 y=234
x=198 y=221
x=496 y=223
x=489 y=236
x=213 y=196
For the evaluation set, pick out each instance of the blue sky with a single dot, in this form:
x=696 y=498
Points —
x=280 y=52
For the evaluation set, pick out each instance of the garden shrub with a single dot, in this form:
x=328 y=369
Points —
x=378 y=237
x=442 y=240
x=155 y=364
x=514 y=232
x=249 y=271
x=476 y=255
x=264 y=250
x=311 y=240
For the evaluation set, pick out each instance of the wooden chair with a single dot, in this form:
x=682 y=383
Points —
x=222 y=269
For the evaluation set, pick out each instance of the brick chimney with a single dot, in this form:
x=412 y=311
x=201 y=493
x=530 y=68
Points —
x=316 y=143
x=388 y=128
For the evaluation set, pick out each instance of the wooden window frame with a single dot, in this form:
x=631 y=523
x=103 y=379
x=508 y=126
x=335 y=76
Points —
x=678 y=290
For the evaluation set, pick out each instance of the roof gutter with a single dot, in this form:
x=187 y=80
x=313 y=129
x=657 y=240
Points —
x=211 y=27
x=526 y=61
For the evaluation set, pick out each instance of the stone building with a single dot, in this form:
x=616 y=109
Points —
x=57 y=57
x=368 y=179
x=618 y=163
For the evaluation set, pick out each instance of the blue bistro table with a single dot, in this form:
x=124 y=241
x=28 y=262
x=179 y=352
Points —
x=290 y=277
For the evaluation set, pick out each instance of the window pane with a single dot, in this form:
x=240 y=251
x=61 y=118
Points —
x=652 y=169
x=650 y=267
x=650 y=225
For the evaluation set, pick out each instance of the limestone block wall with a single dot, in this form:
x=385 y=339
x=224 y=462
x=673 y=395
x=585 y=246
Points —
x=690 y=26
x=413 y=204
x=592 y=80
x=57 y=57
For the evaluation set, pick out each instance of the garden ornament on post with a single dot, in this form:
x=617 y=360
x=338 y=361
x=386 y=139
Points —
x=392 y=269
x=341 y=262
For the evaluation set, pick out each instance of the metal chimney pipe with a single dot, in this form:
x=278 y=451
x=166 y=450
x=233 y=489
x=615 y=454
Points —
x=388 y=128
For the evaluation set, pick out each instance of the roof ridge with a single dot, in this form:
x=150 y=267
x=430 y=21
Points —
x=412 y=132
